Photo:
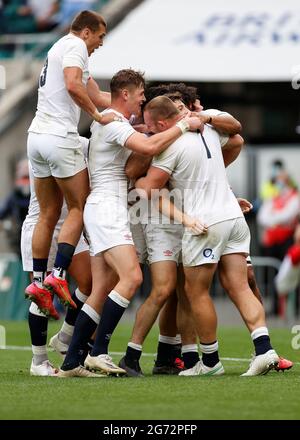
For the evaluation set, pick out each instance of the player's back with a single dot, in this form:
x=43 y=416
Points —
x=200 y=172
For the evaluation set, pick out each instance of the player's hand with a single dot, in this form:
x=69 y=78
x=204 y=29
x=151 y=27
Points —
x=245 y=205
x=110 y=117
x=194 y=225
x=197 y=107
x=195 y=123
x=107 y=118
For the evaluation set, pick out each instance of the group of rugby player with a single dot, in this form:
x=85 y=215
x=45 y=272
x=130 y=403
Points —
x=176 y=149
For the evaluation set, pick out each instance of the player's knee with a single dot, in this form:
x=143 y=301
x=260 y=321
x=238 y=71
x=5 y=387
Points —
x=135 y=279
x=161 y=294
x=49 y=217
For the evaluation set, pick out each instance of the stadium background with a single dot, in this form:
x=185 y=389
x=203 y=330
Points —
x=242 y=56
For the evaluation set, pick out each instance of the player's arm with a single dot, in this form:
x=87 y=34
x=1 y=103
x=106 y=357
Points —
x=78 y=92
x=224 y=123
x=232 y=149
x=154 y=145
x=137 y=165
x=98 y=97
x=156 y=178
x=168 y=209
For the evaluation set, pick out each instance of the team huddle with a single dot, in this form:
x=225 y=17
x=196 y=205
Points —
x=148 y=187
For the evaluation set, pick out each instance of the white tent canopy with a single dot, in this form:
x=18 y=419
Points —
x=194 y=40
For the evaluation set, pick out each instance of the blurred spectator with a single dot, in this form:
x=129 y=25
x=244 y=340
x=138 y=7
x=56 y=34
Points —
x=278 y=215
x=288 y=277
x=15 y=207
x=69 y=8
x=26 y=16
x=45 y=13
x=269 y=188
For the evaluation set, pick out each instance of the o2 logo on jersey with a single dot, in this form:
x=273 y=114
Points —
x=208 y=253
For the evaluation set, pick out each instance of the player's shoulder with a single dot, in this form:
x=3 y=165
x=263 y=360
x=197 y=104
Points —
x=213 y=112
x=71 y=41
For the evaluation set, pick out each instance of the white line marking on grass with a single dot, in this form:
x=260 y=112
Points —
x=120 y=353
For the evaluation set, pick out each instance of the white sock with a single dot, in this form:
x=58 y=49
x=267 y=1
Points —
x=39 y=354
x=81 y=296
x=172 y=340
x=38 y=278
x=135 y=346
x=209 y=348
x=260 y=331
x=91 y=313
x=65 y=333
x=119 y=299
x=59 y=273
x=36 y=311
x=189 y=347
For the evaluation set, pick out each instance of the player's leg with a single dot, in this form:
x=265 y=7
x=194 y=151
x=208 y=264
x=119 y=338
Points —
x=186 y=325
x=252 y=281
x=235 y=281
x=124 y=262
x=75 y=190
x=50 y=202
x=163 y=277
x=37 y=321
x=103 y=280
x=197 y=287
x=168 y=359
x=80 y=271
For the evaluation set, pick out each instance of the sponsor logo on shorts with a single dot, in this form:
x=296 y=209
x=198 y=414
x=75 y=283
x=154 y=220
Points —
x=168 y=253
x=207 y=253
x=128 y=237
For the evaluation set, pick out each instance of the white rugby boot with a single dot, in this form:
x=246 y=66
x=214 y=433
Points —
x=199 y=369
x=262 y=363
x=103 y=363
x=79 y=371
x=43 y=369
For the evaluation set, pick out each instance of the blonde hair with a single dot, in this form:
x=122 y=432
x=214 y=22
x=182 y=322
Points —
x=161 y=107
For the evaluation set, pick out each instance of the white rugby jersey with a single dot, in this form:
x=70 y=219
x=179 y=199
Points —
x=108 y=156
x=196 y=167
x=34 y=208
x=57 y=113
x=214 y=112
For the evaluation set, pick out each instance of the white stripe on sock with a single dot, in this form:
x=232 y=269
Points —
x=209 y=348
x=178 y=338
x=172 y=340
x=67 y=329
x=135 y=346
x=260 y=331
x=36 y=311
x=81 y=296
x=91 y=313
x=189 y=347
x=39 y=349
x=119 y=299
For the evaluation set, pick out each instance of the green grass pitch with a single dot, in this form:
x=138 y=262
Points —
x=274 y=396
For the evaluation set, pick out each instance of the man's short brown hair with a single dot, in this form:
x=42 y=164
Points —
x=124 y=79
x=87 y=19
x=161 y=108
